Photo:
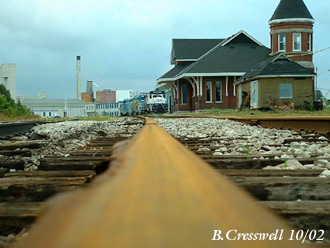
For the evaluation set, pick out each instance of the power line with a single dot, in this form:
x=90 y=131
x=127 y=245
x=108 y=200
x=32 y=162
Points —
x=307 y=54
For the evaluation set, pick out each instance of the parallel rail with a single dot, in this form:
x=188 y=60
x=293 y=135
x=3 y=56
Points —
x=316 y=124
x=156 y=193
x=310 y=124
x=7 y=129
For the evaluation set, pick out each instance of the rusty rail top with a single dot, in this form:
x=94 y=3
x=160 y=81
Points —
x=156 y=194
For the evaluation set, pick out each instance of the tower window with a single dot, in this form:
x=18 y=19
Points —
x=296 y=41
x=282 y=42
x=309 y=42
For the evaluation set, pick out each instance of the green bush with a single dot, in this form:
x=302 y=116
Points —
x=8 y=106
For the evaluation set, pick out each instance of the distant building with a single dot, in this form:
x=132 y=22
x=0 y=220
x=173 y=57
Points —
x=112 y=96
x=40 y=96
x=87 y=97
x=49 y=108
x=103 y=96
x=8 y=78
x=112 y=109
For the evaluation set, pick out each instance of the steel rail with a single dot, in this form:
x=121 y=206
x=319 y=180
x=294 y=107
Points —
x=155 y=194
x=319 y=124
x=12 y=128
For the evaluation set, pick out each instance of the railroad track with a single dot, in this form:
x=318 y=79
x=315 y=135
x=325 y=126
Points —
x=23 y=193
x=158 y=194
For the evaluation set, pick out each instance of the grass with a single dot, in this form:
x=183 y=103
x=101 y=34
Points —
x=256 y=113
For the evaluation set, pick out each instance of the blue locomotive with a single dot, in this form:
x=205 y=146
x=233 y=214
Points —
x=153 y=102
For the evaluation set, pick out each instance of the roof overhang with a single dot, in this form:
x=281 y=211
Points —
x=216 y=74
x=162 y=80
x=185 y=60
x=273 y=76
x=161 y=86
x=291 y=20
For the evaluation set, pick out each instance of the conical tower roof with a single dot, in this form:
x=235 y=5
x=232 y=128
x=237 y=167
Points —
x=291 y=9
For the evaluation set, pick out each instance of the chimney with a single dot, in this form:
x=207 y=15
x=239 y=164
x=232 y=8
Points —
x=78 y=78
x=89 y=88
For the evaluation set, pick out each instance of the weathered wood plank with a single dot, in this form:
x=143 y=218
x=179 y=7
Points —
x=16 y=153
x=69 y=165
x=14 y=216
x=17 y=165
x=286 y=188
x=250 y=163
x=36 y=189
x=46 y=174
x=306 y=215
x=14 y=146
x=270 y=173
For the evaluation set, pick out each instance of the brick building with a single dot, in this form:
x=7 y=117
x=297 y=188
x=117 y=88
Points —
x=205 y=70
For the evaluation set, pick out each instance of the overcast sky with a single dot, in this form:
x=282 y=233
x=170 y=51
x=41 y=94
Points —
x=126 y=44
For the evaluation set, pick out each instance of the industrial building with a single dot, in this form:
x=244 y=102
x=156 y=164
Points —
x=112 y=109
x=205 y=70
x=50 y=108
x=8 y=78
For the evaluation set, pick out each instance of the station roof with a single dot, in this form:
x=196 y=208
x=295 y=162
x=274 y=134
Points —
x=191 y=49
x=275 y=66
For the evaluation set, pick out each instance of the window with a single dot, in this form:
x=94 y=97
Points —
x=296 y=41
x=209 y=91
x=184 y=94
x=271 y=42
x=218 y=92
x=286 y=90
x=309 y=42
x=282 y=42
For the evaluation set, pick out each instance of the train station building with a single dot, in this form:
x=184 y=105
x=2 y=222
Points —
x=206 y=72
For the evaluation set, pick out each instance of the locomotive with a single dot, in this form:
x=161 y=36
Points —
x=153 y=102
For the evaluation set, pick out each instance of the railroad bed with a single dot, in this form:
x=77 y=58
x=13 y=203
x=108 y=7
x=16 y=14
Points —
x=38 y=165
x=158 y=194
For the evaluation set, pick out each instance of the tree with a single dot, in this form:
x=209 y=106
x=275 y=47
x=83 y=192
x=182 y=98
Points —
x=8 y=106
x=319 y=95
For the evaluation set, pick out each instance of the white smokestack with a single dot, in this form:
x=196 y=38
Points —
x=78 y=78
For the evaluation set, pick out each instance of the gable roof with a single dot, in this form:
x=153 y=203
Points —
x=291 y=9
x=233 y=56
x=241 y=37
x=191 y=49
x=236 y=54
x=276 y=66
